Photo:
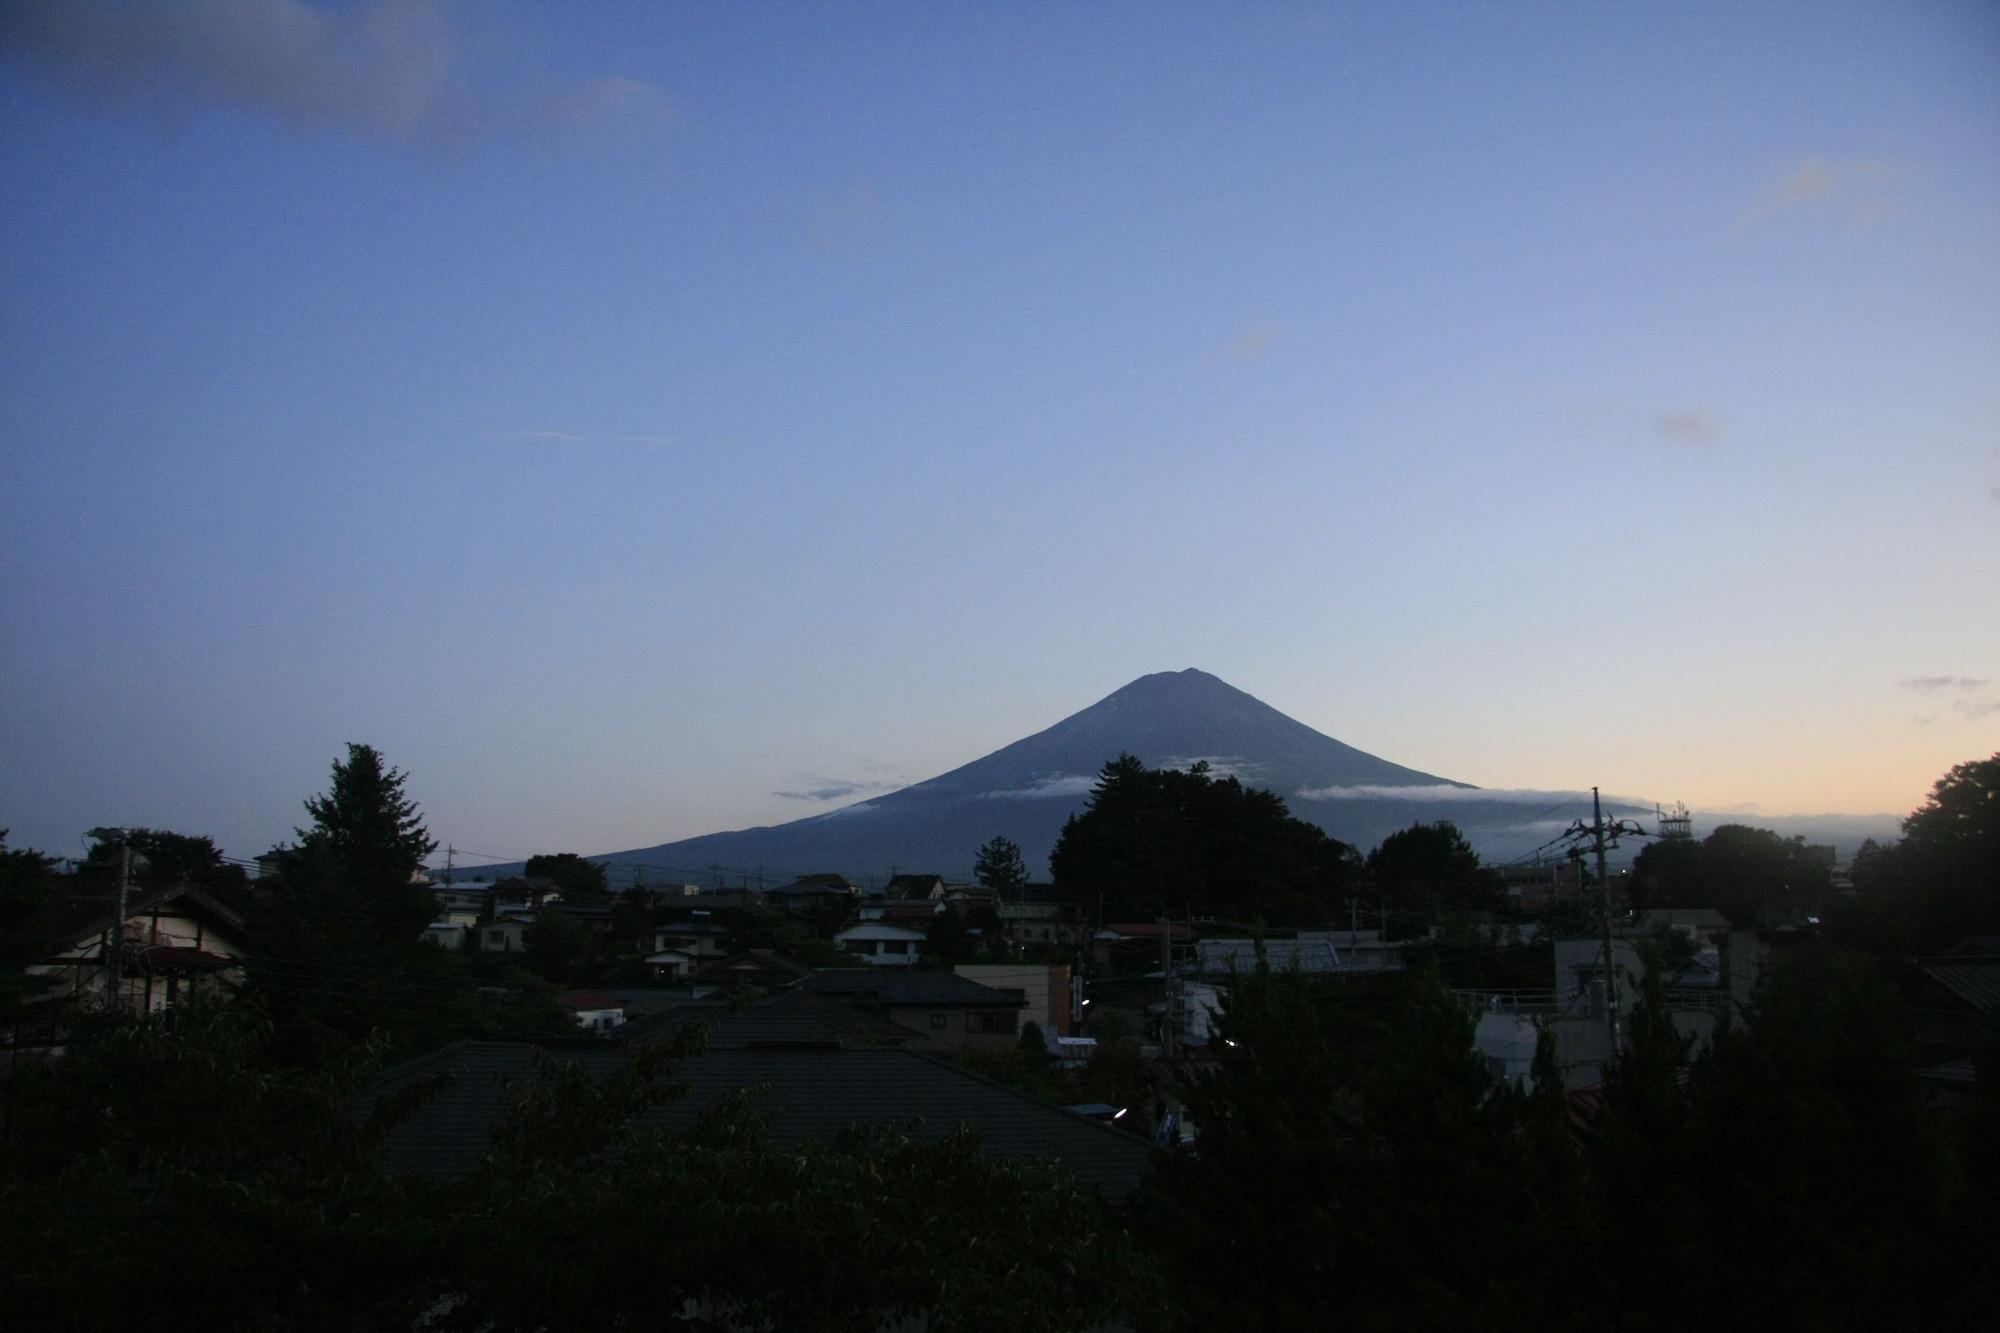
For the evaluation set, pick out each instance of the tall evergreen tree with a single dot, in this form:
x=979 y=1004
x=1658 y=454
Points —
x=1000 y=866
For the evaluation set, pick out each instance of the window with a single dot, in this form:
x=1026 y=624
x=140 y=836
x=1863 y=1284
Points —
x=938 y=1022
x=496 y=939
x=895 y=946
x=990 y=1022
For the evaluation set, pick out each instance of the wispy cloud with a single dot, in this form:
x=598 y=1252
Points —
x=1689 y=426
x=1862 y=191
x=1975 y=709
x=834 y=789
x=1442 y=791
x=1072 y=784
x=1933 y=684
x=388 y=69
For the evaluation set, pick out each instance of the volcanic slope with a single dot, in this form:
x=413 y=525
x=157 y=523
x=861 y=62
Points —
x=1026 y=790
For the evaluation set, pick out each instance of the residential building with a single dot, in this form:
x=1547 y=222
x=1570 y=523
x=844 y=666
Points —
x=953 y=1012
x=881 y=944
x=905 y=888
x=1046 y=992
x=594 y=1012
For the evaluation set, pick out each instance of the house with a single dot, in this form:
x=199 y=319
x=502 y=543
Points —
x=763 y=969
x=907 y=888
x=1953 y=997
x=1365 y=950
x=810 y=1088
x=916 y=913
x=953 y=1012
x=595 y=1012
x=1041 y=914
x=699 y=938
x=810 y=893
x=505 y=934
x=882 y=945
x=447 y=934
x=175 y=941
x=671 y=963
x=1049 y=998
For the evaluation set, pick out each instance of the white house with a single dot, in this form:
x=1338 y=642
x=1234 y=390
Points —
x=594 y=1012
x=882 y=945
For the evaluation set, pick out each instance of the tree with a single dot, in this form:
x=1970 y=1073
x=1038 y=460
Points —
x=947 y=940
x=577 y=880
x=1000 y=867
x=1751 y=875
x=1953 y=845
x=27 y=884
x=1427 y=869
x=1165 y=841
x=366 y=842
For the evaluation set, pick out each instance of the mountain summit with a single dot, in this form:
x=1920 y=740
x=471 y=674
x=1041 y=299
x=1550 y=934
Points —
x=1024 y=791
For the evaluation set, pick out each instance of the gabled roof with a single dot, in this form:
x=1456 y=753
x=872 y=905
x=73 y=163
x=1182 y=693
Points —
x=903 y=886
x=581 y=999
x=753 y=960
x=809 y=1094
x=907 y=987
x=1973 y=979
x=71 y=918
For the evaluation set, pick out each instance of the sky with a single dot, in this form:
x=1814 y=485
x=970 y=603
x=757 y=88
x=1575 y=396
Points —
x=643 y=420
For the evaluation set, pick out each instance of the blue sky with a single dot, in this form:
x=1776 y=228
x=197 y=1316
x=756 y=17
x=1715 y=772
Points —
x=620 y=415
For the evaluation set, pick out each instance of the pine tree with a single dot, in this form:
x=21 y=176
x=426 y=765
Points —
x=1000 y=866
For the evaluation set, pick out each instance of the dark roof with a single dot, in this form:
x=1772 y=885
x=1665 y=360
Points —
x=1972 y=979
x=809 y=1093
x=789 y=1018
x=72 y=917
x=910 y=987
x=581 y=999
x=901 y=885
x=752 y=960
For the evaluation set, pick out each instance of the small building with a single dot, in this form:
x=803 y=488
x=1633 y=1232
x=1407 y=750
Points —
x=907 y=888
x=882 y=945
x=446 y=934
x=698 y=938
x=594 y=1011
x=671 y=964
x=955 y=1013
x=505 y=934
x=761 y=969
x=1046 y=992
x=810 y=893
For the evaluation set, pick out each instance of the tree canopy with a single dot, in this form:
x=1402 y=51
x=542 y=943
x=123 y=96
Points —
x=1163 y=841
x=577 y=880
x=1426 y=869
x=1941 y=882
x=1000 y=866
x=1751 y=875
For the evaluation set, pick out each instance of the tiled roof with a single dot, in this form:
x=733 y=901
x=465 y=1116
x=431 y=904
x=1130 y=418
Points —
x=808 y=1093
x=1972 y=979
x=903 y=986
x=791 y=1017
x=1284 y=955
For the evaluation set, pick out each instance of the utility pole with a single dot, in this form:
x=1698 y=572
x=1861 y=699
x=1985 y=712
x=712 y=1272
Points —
x=1604 y=889
x=115 y=969
x=449 y=852
x=1167 y=1033
x=1602 y=835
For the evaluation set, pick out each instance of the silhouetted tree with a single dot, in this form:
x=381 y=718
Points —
x=1426 y=870
x=577 y=880
x=1000 y=867
x=1164 y=841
